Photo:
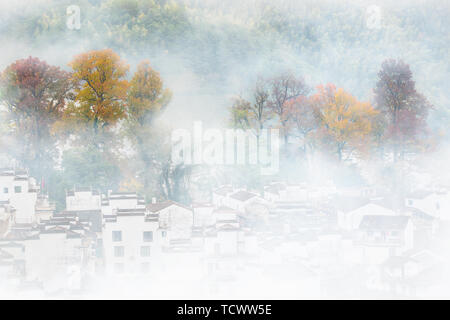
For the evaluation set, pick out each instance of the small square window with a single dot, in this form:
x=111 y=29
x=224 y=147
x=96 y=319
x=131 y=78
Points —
x=148 y=236
x=145 y=251
x=17 y=189
x=163 y=234
x=119 y=251
x=117 y=236
x=5 y=190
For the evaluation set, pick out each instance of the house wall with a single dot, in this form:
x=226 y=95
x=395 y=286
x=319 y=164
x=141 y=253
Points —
x=132 y=228
x=203 y=216
x=178 y=221
x=81 y=201
x=52 y=258
x=436 y=205
x=24 y=202
x=227 y=242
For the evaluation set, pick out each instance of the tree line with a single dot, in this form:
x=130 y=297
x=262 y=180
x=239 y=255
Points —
x=332 y=120
x=83 y=126
x=96 y=125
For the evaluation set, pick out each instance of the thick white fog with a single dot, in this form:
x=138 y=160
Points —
x=356 y=204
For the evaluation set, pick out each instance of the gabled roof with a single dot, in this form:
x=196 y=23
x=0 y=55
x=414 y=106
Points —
x=242 y=195
x=382 y=222
x=155 y=207
x=373 y=209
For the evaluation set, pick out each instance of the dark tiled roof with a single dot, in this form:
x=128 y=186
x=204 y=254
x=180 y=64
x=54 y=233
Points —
x=242 y=195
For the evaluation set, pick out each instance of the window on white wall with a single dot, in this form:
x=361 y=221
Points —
x=17 y=189
x=119 y=251
x=5 y=190
x=145 y=251
x=117 y=236
x=148 y=236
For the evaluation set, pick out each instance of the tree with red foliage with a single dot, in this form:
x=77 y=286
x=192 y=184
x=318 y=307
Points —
x=35 y=95
x=284 y=88
x=405 y=109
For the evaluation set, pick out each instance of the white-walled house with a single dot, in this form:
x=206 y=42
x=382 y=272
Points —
x=433 y=203
x=55 y=253
x=176 y=219
x=220 y=194
x=350 y=220
x=86 y=204
x=45 y=208
x=21 y=192
x=203 y=215
x=278 y=191
x=241 y=199
x=132 y=241
x=226 y=216
x=121 y=200
x=80 y=199
x=55 y=257
x=382 y=236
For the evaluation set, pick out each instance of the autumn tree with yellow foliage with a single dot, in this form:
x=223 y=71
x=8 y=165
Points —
x=147 y=98
x=346 y=123
x=101 y=90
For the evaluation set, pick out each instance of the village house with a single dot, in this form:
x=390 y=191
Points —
x=175 y=220
x=131 y=241
x=382 y=236
x=203 y=215
x=351 y=219
x=433 y=203
x=19 y=191
x=414 y=273
x=54 y=253
x=220 y=194
x=240 y=200
x=86 y=204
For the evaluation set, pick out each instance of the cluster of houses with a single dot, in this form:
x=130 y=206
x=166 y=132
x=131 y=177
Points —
x=322 y=241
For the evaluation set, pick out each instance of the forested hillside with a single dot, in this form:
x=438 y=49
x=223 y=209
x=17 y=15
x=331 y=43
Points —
x=207 y=57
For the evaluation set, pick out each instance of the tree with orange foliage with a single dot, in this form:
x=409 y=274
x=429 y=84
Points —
x=101 y=89
x=146 y=100
x=346 y=123
x=146 y=96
